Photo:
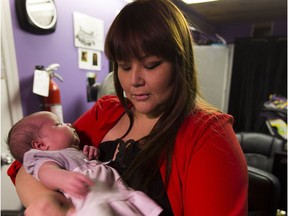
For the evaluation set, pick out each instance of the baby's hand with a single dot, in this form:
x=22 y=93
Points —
x=76 y=184
x=91 y=152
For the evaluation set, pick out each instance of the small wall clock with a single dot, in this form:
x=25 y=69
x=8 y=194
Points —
x=37 y=16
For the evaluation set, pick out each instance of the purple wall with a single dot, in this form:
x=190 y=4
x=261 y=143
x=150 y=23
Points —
x=58 y=47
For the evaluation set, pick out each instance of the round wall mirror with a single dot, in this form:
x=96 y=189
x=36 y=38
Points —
x=37 y=16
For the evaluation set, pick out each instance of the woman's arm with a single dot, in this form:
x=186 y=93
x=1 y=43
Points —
x=38 y=199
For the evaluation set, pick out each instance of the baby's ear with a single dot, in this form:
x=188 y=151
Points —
x=38 y=144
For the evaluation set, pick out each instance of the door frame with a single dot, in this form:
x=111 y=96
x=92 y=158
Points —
x=11 y=107
x=8 y=60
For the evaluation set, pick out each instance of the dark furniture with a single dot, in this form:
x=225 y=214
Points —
x=280 y=171
x=263 y=193
x=265 y=187
x=259 y=149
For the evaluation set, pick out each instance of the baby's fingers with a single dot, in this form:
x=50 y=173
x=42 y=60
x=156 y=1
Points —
x=93 y=153
x=86 y=149
x=85 y=180
x=78 y=186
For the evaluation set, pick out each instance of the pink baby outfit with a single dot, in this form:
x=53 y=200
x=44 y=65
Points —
x=108 y=196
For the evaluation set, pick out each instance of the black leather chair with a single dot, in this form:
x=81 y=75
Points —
x=259 y=149
x=263 y=193
x=264 y=187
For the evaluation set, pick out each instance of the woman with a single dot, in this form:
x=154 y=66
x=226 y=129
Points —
x=157 y=133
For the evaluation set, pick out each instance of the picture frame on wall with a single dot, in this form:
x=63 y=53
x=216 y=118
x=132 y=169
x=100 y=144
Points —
x=89 y=59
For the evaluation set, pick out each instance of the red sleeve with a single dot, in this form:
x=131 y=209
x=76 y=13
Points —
x=211 y=172
x=13 y=170
x=217 y=174
x=93 y=125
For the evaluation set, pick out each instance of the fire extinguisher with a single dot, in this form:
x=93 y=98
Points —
x=52 y=103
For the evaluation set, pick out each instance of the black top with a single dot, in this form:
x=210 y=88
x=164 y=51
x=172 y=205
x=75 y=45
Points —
x=127 y=152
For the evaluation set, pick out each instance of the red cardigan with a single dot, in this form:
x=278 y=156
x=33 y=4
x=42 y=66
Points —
x=209 y=173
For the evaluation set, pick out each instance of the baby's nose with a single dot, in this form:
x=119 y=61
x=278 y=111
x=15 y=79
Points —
x=69 y=124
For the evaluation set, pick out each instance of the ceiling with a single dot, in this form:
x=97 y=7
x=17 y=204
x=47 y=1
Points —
x=232 y=11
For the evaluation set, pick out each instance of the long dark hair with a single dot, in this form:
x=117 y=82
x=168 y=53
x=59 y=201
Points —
x=155 y=27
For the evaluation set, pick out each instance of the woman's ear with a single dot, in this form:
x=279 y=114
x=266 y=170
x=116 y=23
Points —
x=39 y=144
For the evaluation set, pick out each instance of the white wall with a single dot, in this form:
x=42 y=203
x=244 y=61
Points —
x=11 y=110
x=214 y=65
x=9 y=198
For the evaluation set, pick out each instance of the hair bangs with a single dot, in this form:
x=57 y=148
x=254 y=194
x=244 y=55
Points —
x=134 y=34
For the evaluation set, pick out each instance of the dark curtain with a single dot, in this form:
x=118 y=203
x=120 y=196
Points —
x=259 y=69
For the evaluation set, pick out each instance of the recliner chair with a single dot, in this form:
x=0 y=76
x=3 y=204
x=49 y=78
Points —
x=259 y=149
x=263 y=193
x=264 y=187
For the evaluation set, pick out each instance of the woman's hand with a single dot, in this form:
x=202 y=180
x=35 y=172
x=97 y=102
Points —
x=91 y=152
x=39 y=200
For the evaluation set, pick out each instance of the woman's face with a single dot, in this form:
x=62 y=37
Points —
x=147 y=83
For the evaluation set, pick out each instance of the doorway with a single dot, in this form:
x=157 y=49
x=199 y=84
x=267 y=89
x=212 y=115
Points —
x=11 y=108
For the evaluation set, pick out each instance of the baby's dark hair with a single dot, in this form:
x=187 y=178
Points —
x=20 y=138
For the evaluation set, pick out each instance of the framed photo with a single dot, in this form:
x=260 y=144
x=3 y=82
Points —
x=88 y=32
x=89 y=59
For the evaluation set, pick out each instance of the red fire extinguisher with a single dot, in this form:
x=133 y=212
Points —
x=52 y=103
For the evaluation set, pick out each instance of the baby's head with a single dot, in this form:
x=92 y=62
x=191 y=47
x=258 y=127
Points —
x=41 y=130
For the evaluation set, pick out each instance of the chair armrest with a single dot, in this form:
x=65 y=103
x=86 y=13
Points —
x=263 y=192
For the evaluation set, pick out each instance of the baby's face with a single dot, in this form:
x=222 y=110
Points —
x=56 y=134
